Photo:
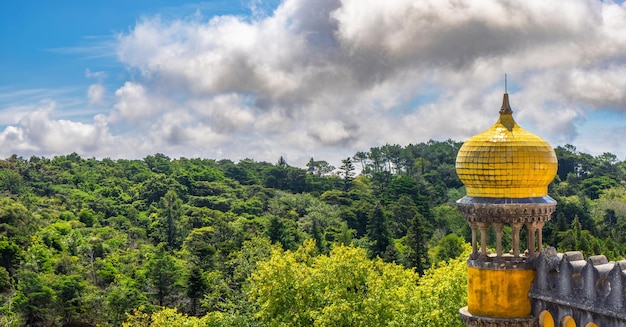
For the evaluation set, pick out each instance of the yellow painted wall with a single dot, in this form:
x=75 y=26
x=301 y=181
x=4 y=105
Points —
x=499 y=293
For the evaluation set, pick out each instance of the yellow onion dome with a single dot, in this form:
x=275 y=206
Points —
x=506 y=161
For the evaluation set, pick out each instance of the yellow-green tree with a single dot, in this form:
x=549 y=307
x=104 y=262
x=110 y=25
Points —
x=169 y=317
x=442 y=291
x=345 y=288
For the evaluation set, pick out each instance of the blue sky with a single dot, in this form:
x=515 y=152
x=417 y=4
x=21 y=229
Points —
x=48 y=46
x=300 y=78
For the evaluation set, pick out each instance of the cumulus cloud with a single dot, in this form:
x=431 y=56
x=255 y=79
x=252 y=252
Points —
x=95 y=94
x=40 y=134
x=134 y=104
x=337 y=71
x=332 y=77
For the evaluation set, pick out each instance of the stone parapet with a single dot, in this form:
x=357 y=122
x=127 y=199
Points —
x=568 y=285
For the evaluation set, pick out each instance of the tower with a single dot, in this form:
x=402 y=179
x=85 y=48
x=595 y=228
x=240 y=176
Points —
x=506 y=171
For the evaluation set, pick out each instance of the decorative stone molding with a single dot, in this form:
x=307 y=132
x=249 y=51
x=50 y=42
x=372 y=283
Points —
x=507 y=263
x=471 y=320
x=506 y=213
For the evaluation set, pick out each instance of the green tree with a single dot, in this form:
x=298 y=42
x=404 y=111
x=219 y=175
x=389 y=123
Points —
x=200 y=245
x=402 y=212
x=448 y=220
x=34 y=300
x=10 y=256
x=10 y=181
x=5 y=281
x=400 y=186
x=168 y=317
x=341 y=289
x=448 y=247
x=159 y=163
x=279 y=231
x=282 y=163
x=347 y=173
x=442 y=290
x=163 y=274
x=345 y=288
x=123 y=296
x=361 y=157
x=154 y=188
x=196 y=286
x=378 y=232
x=16 y=221
x=68 y=290
x=243 y=262
x=417 y=252
x=578 y=239
x=376 y=159
x=320 y=167
x=168 y=220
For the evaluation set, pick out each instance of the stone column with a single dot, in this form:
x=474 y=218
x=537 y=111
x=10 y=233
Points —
x=515 y=229
x=498 y=227
x=474 y=227
x=483 y=239
x=531 y=239
x=539 y=236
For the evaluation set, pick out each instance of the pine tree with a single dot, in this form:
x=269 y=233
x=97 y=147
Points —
x=196 y=287
x=417 y=252
x=162 y=272
x=279 y=233
x=347 y=172
x=378 y=232
x=166 y=227
x=317 y=234
x=282 y=163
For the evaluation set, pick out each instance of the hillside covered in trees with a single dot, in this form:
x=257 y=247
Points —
x=160 y=241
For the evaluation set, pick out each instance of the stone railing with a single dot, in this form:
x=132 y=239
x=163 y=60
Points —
x=590 y=292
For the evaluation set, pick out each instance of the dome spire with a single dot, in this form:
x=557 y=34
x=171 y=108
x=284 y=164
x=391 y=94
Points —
x=506 y=107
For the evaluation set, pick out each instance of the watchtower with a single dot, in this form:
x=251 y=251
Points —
x=506 y=171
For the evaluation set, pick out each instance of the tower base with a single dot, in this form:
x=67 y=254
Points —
x=471 y=320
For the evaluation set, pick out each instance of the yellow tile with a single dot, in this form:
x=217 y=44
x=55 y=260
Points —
x=501 y=164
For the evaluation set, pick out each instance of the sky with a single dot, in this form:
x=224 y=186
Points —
x=236 y=79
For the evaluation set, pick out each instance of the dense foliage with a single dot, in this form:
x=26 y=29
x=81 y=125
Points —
x=200 y=242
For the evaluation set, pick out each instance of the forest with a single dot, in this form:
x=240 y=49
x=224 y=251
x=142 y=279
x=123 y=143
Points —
x=376 y=241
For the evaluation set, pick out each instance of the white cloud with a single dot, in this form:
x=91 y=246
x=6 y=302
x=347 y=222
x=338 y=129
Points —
x=99 y=75
x=342 y=74
x=37 y=133
x=95 y=94
x=332 y=77
x=133 y=103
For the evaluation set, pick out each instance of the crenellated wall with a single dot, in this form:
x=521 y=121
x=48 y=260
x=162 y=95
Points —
x=571 y=291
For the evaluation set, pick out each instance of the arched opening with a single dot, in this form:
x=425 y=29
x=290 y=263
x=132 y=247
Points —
x=568 y=321
x=545 y=319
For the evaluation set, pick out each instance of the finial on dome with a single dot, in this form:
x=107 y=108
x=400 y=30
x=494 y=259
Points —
x=506 y=107
x=505 y=90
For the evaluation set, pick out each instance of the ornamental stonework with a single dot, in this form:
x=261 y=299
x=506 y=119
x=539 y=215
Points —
x=506 y=213
x=476 y=321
